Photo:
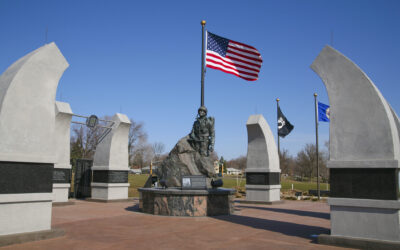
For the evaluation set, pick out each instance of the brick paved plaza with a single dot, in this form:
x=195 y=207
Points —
x=91 y=225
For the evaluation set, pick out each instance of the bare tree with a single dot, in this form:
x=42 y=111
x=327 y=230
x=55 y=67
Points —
x=137 y=138
x=142 y=155
x=306 y=161
x=287 y=163
x=237 y=163
x=158 y=149
x=84 y=141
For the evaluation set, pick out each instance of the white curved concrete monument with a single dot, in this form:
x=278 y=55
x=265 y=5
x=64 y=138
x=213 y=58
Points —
x=110 y=164
x=27 y=127
x=62 y=166
x=262 y=170
x=364 y=154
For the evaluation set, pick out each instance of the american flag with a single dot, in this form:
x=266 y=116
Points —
x=232 y=57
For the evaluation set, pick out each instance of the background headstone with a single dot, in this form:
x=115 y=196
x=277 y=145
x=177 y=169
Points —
x=262 y=169
x=62 y=166
x=110 y=164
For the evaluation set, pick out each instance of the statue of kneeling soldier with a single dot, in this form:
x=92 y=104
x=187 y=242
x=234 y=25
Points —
x=202 y=136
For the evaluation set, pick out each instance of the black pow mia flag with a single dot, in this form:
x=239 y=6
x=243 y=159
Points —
x=284 y=126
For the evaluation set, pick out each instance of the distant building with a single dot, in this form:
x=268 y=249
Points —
x=216 y=167
x=233 y=171
x=146 y=170
x=135 y=171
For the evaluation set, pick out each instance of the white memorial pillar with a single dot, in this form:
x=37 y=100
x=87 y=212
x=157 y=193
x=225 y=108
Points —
x=262 y=170
x=110 y=164
x=364 y=154
x=27 y=127
x=62 y=167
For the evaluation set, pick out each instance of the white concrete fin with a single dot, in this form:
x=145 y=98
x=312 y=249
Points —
x=27 y=106
x=262 y=152
x=112 y=151
x=62 y=134
x=363 y=126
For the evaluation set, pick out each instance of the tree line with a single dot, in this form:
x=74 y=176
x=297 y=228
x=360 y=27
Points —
x=302 y=166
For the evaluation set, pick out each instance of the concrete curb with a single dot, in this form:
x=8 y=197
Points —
x=6 y=240
x=61 y=204
x=110 y=201
x=261 y=202
x=359 y=243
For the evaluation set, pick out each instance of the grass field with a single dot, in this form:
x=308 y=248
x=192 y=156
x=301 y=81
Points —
x=138 y=181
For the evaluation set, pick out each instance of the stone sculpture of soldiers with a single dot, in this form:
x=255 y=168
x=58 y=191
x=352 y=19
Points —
x=202 y=136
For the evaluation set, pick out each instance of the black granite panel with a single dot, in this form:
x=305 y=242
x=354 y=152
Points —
x=22 y=177
x=61 y=175
x=263 y=178
x=110 y=176
x=365 y=183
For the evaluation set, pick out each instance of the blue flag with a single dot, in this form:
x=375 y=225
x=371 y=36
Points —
x=323 y=112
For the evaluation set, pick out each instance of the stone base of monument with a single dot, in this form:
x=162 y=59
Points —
x=23 y=213
x=109 y=191
x=61 y=204
x=6 y=240
x=60 y=192
x=267 y=194
x=364 y=220
x=177 y=202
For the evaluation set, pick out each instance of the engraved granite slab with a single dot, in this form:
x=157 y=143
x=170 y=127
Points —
x=194 y=182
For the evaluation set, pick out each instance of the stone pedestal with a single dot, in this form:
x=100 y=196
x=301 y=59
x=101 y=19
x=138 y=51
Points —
x=27 y=147
x=365 y=218
x=262 y=171
x=110 y=164
x=177 y=202
x=364 y=154
x=263 y=193
x=62 y=167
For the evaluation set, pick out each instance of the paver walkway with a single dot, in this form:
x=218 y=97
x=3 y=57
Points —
x=91 y=225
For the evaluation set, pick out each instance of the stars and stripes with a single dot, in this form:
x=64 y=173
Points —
x=232 y=57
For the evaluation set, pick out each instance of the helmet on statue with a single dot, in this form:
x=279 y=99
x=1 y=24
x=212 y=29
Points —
x=203 y=109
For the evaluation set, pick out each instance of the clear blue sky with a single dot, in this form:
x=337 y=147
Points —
x=142 y=58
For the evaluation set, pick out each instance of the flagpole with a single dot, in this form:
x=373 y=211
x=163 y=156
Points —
x=203 y=23
x=277 y=127
x=316 y=142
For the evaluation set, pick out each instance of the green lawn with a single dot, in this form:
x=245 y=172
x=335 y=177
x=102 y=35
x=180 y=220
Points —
x=138 y=181
x=302 y=186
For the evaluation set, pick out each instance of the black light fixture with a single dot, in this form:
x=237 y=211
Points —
x=92 y=121
x=217 y=183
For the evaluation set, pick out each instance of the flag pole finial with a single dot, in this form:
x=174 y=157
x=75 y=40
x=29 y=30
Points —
x=277 y=99
x=203 y=22
x=315 y=94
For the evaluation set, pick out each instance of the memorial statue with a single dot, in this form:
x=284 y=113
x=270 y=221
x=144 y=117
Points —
x=191 y=155
x=202 y=136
